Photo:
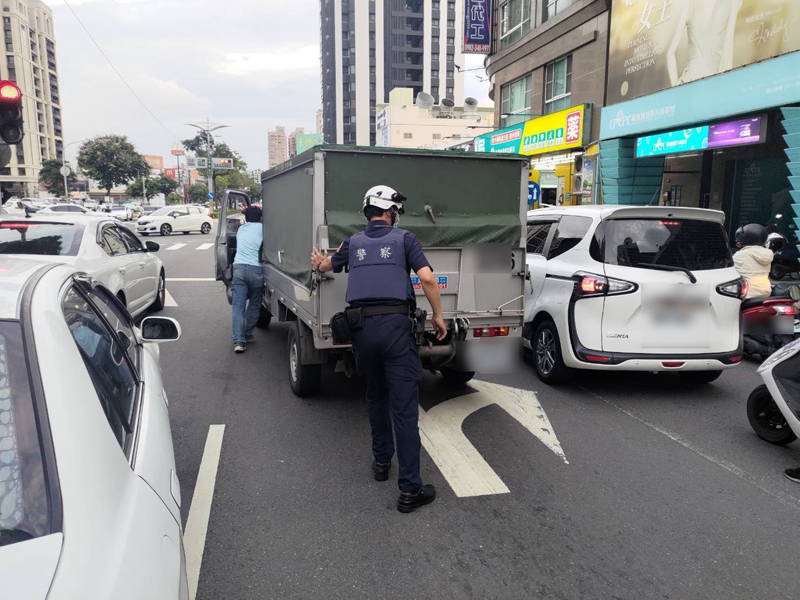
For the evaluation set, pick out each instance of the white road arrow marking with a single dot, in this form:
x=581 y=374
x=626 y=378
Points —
x=176 y=246
x=204 y=246
x=459 y=461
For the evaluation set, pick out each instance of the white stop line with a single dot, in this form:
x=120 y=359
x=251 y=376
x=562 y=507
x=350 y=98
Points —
x=459 y=461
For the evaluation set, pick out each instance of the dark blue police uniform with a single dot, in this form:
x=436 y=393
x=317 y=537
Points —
x=379 y=259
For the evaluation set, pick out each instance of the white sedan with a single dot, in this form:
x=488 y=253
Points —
x=89 y=496
x=175 y=218
x=99 y=246
x=74 y=209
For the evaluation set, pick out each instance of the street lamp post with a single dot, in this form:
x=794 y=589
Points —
x=208 y=127
x=64 y=168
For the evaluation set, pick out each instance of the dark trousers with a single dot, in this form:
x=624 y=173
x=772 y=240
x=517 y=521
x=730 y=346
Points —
x=388 y=357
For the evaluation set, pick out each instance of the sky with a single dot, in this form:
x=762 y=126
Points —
x=248 y=64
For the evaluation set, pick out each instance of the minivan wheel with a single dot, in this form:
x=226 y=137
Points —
x=700 y=377
x=766 y=419
x=547 y=358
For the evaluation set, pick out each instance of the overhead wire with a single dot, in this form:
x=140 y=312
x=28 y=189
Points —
x=127 y=85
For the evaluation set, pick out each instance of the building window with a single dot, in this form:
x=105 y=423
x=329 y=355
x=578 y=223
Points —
x=372 y=70
x=558 y=85
x=352 y=86
x=372 y=52
x=449 y=91
x=451 y=4
x=435 y=73
x=371 y=17
x=552 y=7
x=450 y=74
x=351 y=69
x=435 y=4
x=408 y=136
x=346 y=52
x=437 y=136
x=515 y=99
x=451 y=41
x=515 y=21
x=345 y=35
x=435 y=40
x=435 y=22
x=451 y=23
x=352 y=118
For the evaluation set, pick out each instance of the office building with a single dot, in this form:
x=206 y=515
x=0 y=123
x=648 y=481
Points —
x=319 y=121
x=369 y=48
x=30 y=61
x=402 y=123
x=293 y=141
x=548 y=72
x=277 y=146
x=723 y=135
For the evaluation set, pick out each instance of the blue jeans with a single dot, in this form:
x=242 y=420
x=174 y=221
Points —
x=248 y=288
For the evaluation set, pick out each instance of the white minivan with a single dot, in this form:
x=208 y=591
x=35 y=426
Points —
x=631 y=289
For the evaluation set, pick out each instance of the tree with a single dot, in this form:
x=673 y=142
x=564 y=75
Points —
x=165 y=185
x=174 y=198
x=111 y=160
x=134 y=189
x=198 y=193
x=53 y=180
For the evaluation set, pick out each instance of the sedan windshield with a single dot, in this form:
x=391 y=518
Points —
x=24 y=502
x=49 y=239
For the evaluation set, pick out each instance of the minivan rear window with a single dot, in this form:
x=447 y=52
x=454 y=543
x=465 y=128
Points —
x=49 y=239
x=685 y=243
x=24 y=500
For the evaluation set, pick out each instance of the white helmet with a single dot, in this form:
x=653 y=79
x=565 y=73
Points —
x=382 y=196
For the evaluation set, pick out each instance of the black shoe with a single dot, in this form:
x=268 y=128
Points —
x=381 y=470
x=793 y=474
x=409 y=502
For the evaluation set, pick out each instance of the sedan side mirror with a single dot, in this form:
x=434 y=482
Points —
x=160 y=329
x=152 y=246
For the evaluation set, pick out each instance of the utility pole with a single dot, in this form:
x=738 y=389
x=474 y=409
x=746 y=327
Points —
x=144 y=187
x=208 y=127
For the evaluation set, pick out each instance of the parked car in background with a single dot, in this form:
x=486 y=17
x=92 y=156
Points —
x=126 y=212
x=631 y=288
x=99 y=246
x=150 y=208
x=73 y=209
x=169 y=219
x=15 y=206
x=91 y=204
x=88 y=486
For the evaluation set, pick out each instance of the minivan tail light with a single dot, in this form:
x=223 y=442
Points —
x=737 y=288
x=590 y=285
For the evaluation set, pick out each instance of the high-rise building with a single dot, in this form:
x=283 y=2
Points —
x=30 y=61
x=277 y=146
x=369 y=48
x=319 y=121
x=293 y=141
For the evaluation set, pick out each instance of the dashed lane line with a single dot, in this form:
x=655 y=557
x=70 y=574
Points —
x=194 y=537
x=169 y=301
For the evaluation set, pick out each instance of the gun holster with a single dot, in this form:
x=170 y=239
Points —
x=418 y=319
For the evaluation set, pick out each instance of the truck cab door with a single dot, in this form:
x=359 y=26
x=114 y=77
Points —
x=225 y=241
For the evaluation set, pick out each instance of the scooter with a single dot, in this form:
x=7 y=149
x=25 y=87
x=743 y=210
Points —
x=786 y=259
x=770 y=323
x=773 y=409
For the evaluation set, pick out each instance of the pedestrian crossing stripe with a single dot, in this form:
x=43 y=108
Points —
x=176 y=246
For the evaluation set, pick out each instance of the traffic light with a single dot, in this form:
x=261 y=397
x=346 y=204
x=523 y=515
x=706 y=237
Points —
x=10 y=113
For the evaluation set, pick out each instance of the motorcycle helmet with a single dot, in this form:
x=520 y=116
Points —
x=751 y=234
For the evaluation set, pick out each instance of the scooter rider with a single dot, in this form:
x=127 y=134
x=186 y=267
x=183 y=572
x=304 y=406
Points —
x=753 y=260
x=379 y=289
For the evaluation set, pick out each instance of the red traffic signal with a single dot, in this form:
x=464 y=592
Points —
x=10 y=113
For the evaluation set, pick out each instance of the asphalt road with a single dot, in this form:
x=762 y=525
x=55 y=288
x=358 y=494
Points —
x=663 y=490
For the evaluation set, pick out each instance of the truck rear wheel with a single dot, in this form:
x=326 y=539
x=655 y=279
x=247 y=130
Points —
x=455 y=377
x=304 y=379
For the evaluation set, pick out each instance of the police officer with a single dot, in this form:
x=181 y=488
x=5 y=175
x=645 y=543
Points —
x=379 y=259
